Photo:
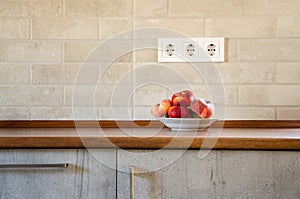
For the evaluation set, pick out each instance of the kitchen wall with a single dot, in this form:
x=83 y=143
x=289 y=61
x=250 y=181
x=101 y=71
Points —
x=44 y=43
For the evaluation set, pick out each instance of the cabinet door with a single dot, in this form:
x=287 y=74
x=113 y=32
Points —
x=184 y=176
x=259 y=174
x=221 y=174
x=85 y=177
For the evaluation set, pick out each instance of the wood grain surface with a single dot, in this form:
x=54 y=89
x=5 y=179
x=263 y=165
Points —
x=143 y=123
x=151 y=138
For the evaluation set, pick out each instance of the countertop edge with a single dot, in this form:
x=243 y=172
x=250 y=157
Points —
x=141 y=123
x=230 y=139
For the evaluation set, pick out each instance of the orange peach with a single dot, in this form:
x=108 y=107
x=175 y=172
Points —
x=156 y=111
x=161 y=109
x=165 y=104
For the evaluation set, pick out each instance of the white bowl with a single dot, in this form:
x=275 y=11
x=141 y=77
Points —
x=187 y=124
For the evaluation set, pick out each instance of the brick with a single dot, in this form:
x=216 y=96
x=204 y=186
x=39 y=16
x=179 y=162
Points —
x=145 y=8
x=98 y=8
x=14 y=28
x=64 y=28
x=30 y=95
x=269 y=50
x=14 y=73
x=31 y=52
x=241 y=27
x=269 y=95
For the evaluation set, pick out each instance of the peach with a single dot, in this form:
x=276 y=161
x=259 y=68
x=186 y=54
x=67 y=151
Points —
x=203 y=108
x=161 y=109
x=183 y=98
x=165 y=104
x=209 y=110
x=178 y=112
x=206 y=113
x=156 y=111
x=197 y=106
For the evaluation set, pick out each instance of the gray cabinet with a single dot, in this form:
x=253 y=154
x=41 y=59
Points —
x=86 y=177
x=219 y=175
x=158 y=175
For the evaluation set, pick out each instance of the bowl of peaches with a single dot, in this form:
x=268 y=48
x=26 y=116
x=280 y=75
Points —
x=184 y=112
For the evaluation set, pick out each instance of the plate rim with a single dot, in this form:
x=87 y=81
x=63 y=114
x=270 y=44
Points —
x=207 y=123
x=188 y=119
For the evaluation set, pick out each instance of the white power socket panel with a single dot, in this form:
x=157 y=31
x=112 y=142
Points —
x=191 y=49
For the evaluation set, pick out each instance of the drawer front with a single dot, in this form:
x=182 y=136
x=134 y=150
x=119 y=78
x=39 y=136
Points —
x=37 y=174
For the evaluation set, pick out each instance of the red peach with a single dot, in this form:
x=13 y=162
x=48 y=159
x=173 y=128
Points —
x=203 y=108
x=197 y=106
x=180 y=101
x=183 y=98
x=178 y=112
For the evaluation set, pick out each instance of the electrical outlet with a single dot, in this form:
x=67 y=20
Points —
x=211 y=49
x=169 y=50
x=191 y=49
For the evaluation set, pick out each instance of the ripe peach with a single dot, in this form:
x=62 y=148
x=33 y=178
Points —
x=165 y=104
x=206 y=113
x=203 y=108
x=183 y=98
x=160 y=109
x=156 y=111
x=210 y=110
x=178 y=112
x=197 y=106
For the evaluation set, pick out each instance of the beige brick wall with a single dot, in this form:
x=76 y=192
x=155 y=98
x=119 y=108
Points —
x=44 y=43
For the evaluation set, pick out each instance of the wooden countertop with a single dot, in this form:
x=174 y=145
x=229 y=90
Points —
x=151 y=138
